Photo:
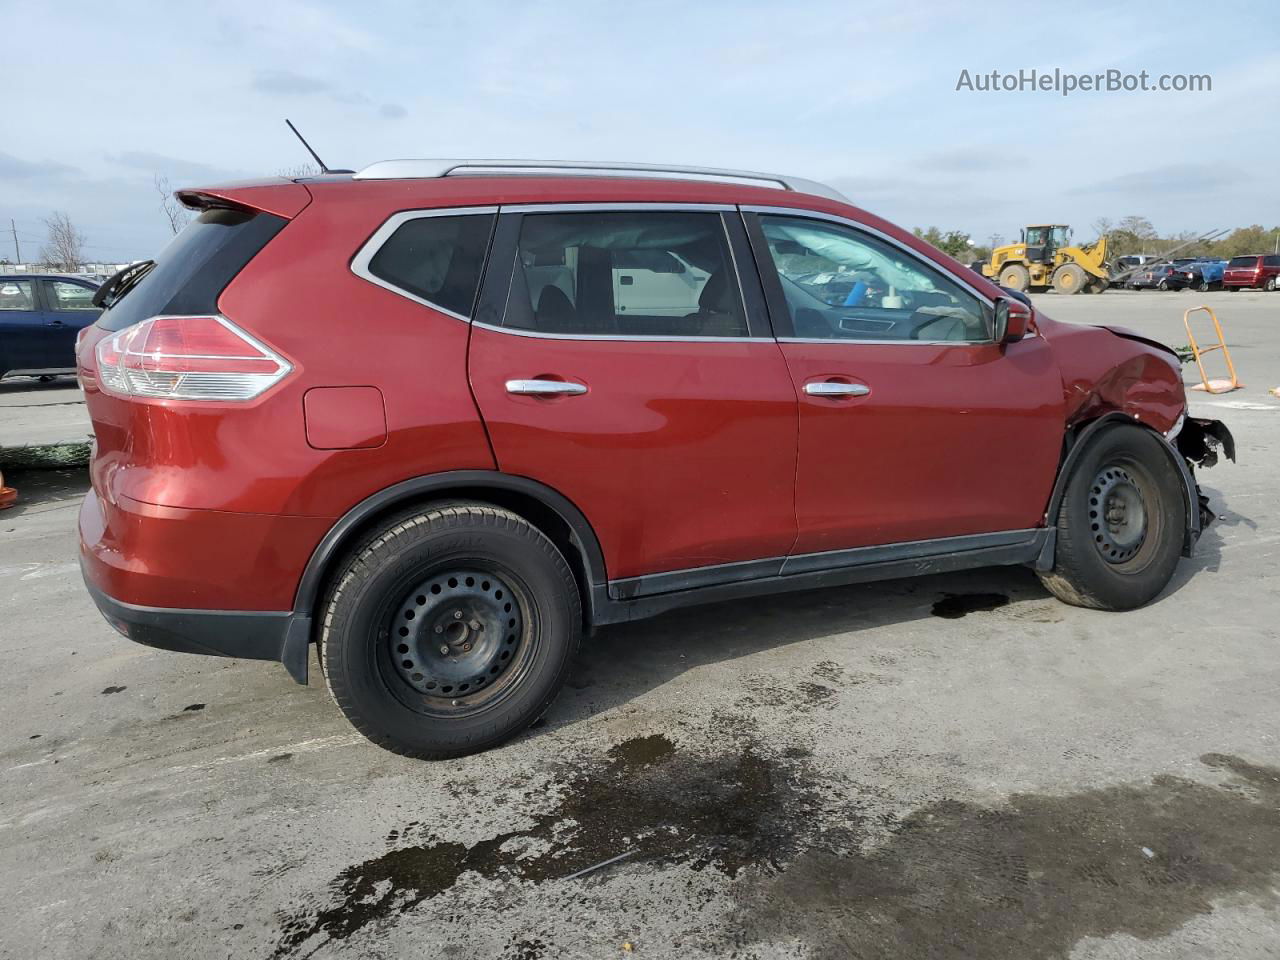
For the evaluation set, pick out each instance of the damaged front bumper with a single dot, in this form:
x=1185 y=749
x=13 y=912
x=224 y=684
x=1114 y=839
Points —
x=1199 y=441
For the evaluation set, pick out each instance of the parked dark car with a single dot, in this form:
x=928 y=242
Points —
x=444 y=418
x=1167 y=276
x=40 y=317
x=1254 y=270
x=1203 y=275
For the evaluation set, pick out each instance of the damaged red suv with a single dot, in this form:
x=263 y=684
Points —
x=442 y=418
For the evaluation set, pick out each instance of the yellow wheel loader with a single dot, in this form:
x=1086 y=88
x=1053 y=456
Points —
x=1045 y=257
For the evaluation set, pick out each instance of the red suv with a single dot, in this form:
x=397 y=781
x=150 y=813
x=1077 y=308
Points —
x=442 y=418
x=1254 y=270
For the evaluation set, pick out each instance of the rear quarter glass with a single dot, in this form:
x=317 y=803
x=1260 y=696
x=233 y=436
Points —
x=195 y=267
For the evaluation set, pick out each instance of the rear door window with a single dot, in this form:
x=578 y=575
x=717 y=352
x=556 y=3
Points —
x=67 y=295
x=625 y=274
x=435 y=259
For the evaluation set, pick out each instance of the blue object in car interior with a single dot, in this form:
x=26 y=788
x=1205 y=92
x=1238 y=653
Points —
x=856 y=295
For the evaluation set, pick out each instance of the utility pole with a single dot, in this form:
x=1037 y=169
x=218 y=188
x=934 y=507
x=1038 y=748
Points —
x=16 y=251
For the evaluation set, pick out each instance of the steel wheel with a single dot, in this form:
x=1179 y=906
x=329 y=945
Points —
x=458 y=637
x=1122 y=523
x=1117 y=514
x=458 y=640
x=451 y=630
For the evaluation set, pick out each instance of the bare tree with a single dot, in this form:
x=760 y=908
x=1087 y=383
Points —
x=175 y=214
x=1102 y=226
x=63 y=250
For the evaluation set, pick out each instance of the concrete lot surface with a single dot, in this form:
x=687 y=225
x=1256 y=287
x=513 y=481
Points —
x=954 y=766
x=40 y=414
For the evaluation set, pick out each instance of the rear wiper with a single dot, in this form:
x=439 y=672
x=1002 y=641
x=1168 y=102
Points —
x=121 y=282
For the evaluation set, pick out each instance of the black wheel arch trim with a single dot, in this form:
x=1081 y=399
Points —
x=1079 y=443
x=472 y=483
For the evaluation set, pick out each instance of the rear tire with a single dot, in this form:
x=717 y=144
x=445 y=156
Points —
x=450 y=631
x=1121 y=525
x=1271 y=284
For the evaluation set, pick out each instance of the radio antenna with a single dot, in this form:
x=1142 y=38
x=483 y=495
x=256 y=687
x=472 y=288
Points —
x=323 y=168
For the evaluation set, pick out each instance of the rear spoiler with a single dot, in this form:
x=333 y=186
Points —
x=275 y=195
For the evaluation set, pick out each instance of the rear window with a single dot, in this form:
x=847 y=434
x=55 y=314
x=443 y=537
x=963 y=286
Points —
x=195 y=267
x=437 y=259
x=1243 y=262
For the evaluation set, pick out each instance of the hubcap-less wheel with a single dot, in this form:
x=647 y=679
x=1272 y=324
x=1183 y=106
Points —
x=1117 y=515
x=458 y=637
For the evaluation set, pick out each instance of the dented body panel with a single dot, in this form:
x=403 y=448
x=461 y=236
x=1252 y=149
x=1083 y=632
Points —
x=1106 y=371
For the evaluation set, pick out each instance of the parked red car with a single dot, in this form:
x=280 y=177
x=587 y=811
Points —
x=1261 y=270
x=442 y=418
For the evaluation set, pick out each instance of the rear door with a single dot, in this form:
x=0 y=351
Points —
x=22 y=328
x=914 y=425
x=68 y=310
x=666 y=414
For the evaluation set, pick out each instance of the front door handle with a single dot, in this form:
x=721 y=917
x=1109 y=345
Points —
x=835 y=388
x=545 y=388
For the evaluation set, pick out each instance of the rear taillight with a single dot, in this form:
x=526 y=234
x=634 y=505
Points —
x=188 y=358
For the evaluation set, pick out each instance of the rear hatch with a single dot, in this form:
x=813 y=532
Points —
x=233 y=224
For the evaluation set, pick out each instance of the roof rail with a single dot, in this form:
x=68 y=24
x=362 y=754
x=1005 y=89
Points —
x=415 y=169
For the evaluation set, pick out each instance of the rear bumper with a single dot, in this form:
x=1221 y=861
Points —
x=163 y=576
x=245 y=634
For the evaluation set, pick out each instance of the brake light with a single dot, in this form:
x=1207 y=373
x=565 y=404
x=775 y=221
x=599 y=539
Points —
x=188 y=358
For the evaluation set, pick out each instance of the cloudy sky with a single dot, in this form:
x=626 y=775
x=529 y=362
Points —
x=99 y=99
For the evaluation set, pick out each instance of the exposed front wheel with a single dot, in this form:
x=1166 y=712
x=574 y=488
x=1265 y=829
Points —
x=1271 y=283
x=1121 y=524
x=450 y=631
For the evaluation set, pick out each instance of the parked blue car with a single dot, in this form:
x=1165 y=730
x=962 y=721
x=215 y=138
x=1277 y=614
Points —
x=40 y=317
x=1204 y=274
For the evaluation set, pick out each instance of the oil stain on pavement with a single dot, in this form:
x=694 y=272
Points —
x=1025 y=880
x=953 y=606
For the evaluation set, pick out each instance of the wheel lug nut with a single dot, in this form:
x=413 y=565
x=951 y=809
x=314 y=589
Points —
x=444 y=649
x=457 y=614
x=474 y=624
x=439 y=629
x=466 y=646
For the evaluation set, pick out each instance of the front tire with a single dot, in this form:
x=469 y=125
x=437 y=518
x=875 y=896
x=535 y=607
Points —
x=1069 y=279
x=1015 y=276
x=1121 y=525
x=450 y=631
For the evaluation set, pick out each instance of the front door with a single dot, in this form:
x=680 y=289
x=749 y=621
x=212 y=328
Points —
x=618 y=359
x=22 y=325
x=914 y=425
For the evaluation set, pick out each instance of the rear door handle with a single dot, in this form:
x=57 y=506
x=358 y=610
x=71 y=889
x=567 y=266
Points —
x=834 y=388
x=545 y=388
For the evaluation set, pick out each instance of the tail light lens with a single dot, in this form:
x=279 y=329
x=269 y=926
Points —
x=188 y=358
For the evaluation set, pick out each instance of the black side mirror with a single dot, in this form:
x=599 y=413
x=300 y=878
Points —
x=1012 y=318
